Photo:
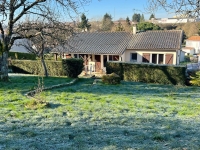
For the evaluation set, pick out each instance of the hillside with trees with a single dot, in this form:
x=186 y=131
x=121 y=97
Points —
x=190 y=28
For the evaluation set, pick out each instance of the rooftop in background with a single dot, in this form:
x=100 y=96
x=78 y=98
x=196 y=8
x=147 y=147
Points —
x=173 y=20
x=194 y=38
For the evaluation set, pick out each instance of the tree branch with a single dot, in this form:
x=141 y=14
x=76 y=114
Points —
x=26 y=9
x=2 y=31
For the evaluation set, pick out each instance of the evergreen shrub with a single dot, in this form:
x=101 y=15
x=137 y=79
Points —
x=54 y=68
x=195 y=79
x=149 y=73
x=112 y=78
x=20 y=56
x=72 y=67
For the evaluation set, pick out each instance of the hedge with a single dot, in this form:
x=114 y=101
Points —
x=20 y=56
x=149 y=73
x=72 y=66
x=35 y=67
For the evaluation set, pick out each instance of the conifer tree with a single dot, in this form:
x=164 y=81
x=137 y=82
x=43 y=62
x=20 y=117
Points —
x=107 y=22
x=84 y=23
x=152 y=16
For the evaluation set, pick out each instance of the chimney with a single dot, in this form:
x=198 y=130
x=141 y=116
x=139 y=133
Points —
x=134 y=28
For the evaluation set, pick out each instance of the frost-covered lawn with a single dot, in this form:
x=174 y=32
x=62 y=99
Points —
x=86 y=116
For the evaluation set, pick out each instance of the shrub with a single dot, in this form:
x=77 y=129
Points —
x=24 y=56
x=187 y=59
x=35 y=67
x=72 y=67
x=112 y=78
x=195 y=80
x=149 y=73
x=36 y=104
x=116 y=68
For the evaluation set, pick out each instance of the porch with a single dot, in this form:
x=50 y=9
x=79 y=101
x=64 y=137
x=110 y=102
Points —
x=93 y=64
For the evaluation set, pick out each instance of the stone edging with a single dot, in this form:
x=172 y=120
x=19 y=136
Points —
x=32 y=93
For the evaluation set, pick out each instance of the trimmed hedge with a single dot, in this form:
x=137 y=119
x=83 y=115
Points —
x=149 y=73
x=24 y=56
x=35 y=67
x=73 y=67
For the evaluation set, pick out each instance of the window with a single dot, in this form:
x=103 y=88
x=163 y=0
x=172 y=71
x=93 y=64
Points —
x=154 y=58
x=113 y=57
x=157 y=58
x=134 y=57
x=116 y=58
x=110 y=58
x=160 y=58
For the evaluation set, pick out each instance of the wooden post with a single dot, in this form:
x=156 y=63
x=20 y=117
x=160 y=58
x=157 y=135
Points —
x=55 y=56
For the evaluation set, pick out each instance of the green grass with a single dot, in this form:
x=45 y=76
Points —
x=82 y=116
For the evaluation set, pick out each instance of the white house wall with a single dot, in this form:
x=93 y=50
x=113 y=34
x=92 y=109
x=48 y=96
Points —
x=195 y=44
x=173 y=20
x=188 y=51
x=127 y=55
x=182 y=56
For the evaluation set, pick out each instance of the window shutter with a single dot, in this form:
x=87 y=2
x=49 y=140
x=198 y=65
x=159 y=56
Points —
x=146 y=57
x=169 y=59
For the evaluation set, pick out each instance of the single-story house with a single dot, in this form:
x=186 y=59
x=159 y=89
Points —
x=192 y=45
x=96 y=48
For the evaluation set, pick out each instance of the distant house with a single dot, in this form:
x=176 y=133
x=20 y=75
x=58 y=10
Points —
x=158 y=47
x=174 y=20
x=192 y=45
x=188 y=50
x=20 y=45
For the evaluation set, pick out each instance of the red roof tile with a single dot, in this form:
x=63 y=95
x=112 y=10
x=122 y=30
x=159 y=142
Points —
x=194 y=38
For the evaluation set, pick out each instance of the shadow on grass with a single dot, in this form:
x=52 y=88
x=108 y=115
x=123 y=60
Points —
x=122 y=132
x=133 y=88
x=54 y=106
x=27 y=83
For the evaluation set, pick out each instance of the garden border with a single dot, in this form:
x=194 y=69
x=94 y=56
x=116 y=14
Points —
x=33 y=92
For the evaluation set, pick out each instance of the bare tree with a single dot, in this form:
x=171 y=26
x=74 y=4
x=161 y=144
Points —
x=182 y=8
x=43 y=36
x=14 y=11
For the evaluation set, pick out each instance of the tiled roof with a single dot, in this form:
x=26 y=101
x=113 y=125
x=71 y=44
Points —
x=59 y=49
x=150 y=40
x=118 y=42
x=194 y=38
x=100 y=43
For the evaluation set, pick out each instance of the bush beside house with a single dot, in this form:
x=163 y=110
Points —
x=72 y=67
x=112 y=78
x=149 y=73
x=24 y=56
x=35 y=67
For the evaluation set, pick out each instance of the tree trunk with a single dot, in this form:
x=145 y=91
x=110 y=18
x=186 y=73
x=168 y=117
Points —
x=42 y=60
x=44 y=66
x=4 y=67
